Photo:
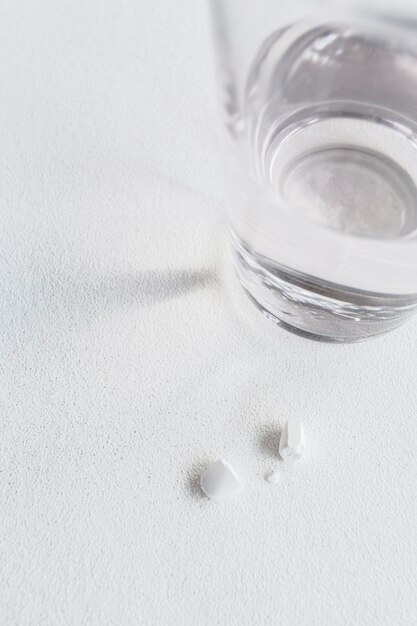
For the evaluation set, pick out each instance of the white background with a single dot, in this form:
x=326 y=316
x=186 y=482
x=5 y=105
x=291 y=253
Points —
x=126 y=365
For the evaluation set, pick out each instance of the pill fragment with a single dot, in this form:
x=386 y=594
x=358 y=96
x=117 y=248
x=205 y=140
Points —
x=273 y=477
x=220 y=480
x=292 y=443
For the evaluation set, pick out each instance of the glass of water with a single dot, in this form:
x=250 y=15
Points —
x=320 y=108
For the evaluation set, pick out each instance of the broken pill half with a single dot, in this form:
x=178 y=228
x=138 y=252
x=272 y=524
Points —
x=292 y=442
x=220 y=480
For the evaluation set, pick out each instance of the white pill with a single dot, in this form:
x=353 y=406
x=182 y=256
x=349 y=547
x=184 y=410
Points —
x=292 y=444
x=220 y=480
x=273 y=477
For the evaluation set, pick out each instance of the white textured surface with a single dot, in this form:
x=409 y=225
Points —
x=125 y=367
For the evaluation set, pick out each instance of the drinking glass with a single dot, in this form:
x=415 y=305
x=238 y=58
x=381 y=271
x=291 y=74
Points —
x=320 y=110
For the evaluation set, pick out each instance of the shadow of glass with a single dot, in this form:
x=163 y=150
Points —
x=148 y=288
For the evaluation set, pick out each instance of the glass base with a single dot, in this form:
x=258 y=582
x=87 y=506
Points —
x=316 y=309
